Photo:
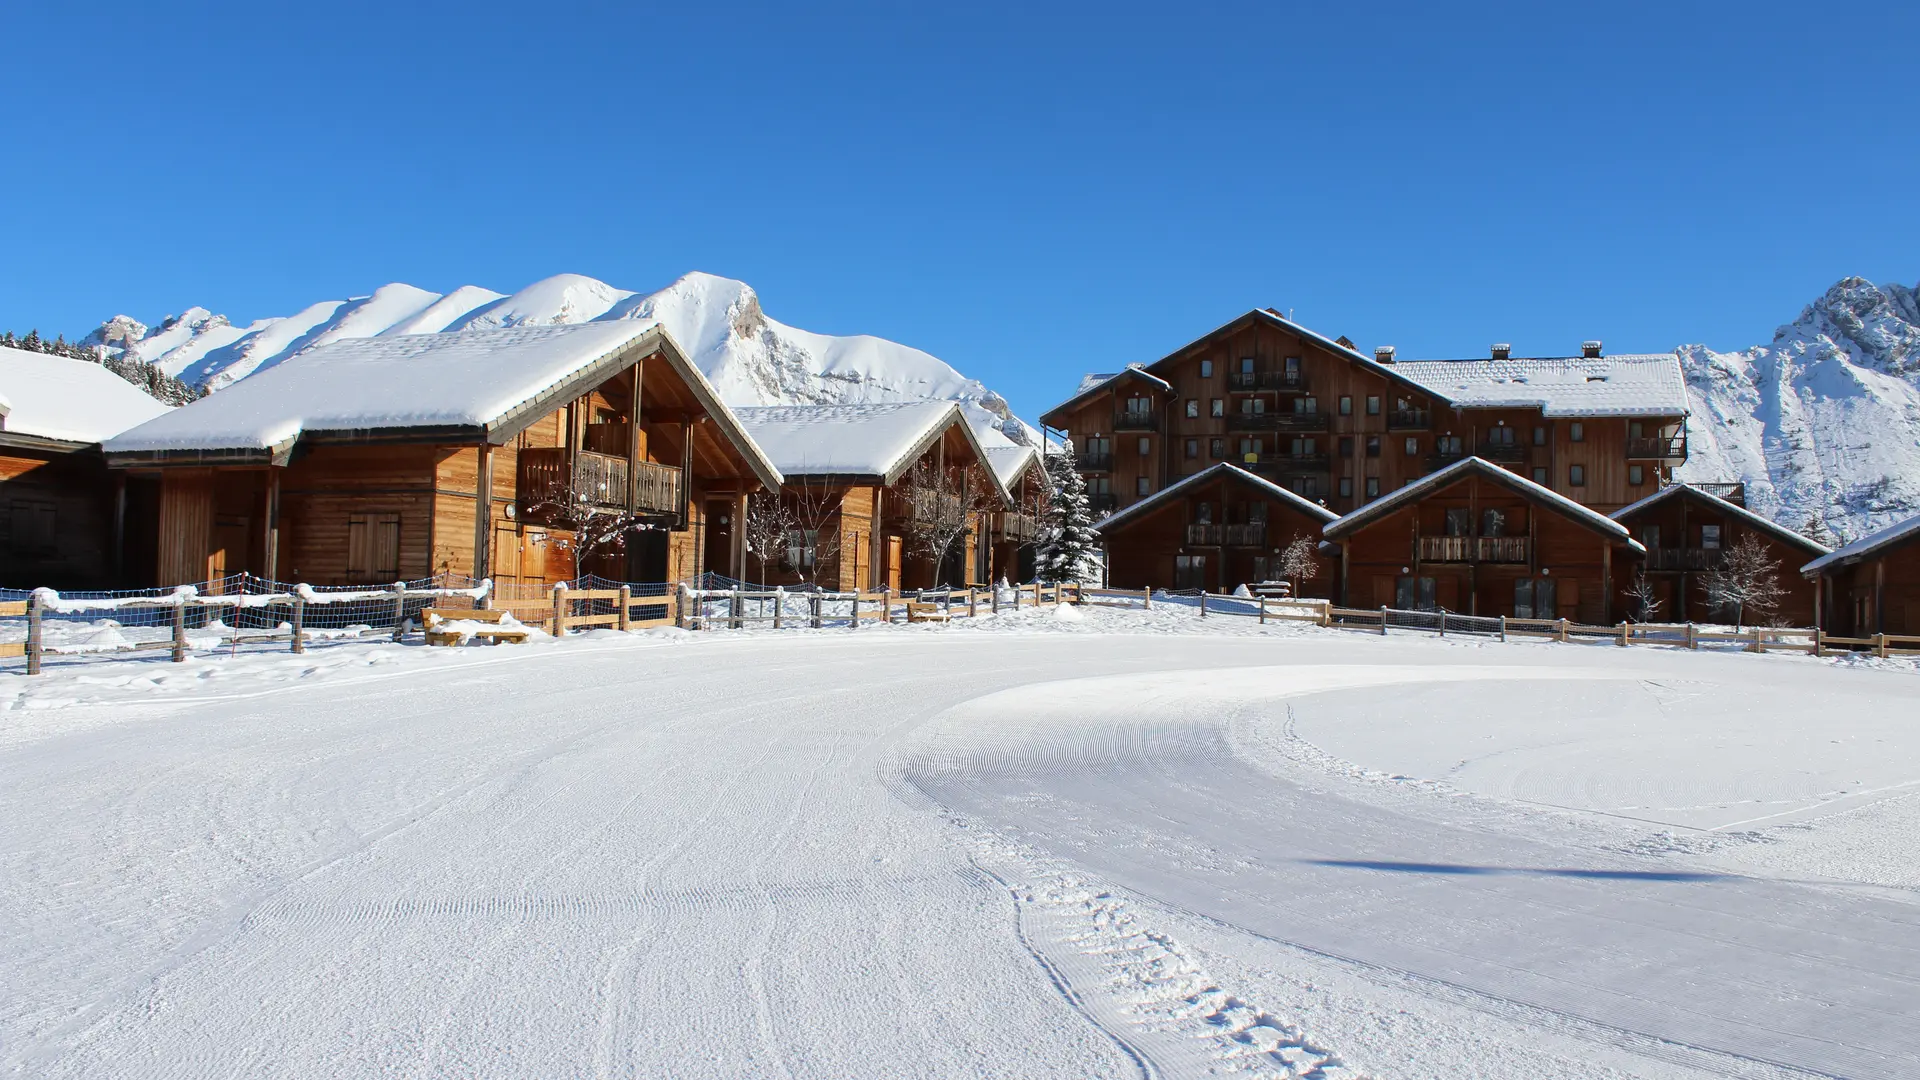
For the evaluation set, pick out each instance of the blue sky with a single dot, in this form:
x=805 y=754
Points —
x=1027 y=191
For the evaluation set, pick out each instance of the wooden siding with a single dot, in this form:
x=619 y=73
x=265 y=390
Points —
x=1143 y=552
x=1678 y=564
x=56 y=520
x=1880 y=595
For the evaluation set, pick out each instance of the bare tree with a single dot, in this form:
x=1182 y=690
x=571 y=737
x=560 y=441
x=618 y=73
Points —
x=1747 y=581
x=765 y=529
x=1645 y=597
x=942 y=506
x=814 y=540
x=1297 y=562
x=596 y=529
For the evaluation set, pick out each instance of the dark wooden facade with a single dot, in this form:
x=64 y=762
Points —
x=1873 y=586
x=1687 y=533
x=387 y=504
x=1014 y=534
x=1477 y=540
x=58 y=506
x=1218 y=530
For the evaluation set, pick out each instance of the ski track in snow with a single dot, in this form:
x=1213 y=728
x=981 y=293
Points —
x=951 y=853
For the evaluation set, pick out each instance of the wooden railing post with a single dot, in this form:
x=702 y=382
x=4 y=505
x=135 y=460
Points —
x=853 y=623
x=1443 y=622
x=1262 y=601
x=736 y=610
x=399 y=609
x=680 y=598
x=779 y=604
x=973 y=602
x=1203 y=603
x=993 y=591
x=1563 y=630
x=1383 y=620
x=1758 y=645
x=36 y=631
x=560 y=609
x=626 y=607
x=1146 y=598
x=1880 y=644
x=1503 y=628
x=299 y=642
x=180 y=631
x=1623 y=633
x=1693 y=640
x=1819 y=642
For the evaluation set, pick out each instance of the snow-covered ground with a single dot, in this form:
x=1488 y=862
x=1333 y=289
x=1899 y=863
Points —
x=1055 y=843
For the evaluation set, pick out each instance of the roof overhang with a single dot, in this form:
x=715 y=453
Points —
x=1106 y=386
x=1227 y=471
x=1475 y=467
x=1685 y=491
x=20 y=440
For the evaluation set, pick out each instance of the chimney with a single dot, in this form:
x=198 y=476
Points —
x=1590 y=350
x=1383 y=354
x=1502 y=351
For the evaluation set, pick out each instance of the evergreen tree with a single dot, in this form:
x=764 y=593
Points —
x=1070 y=550
x=1816 y=530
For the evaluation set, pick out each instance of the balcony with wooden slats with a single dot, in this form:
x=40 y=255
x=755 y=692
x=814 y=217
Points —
x=1409 y=420
x=1252 y=534
x=1016 y=526
x=1474 y=549
x=1136 y=421
x=1278 y=421
x=1658 y=448
x=600 y=479
x=1683 y=558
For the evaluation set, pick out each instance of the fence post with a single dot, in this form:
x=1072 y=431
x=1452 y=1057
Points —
x=180 y=631
x=993 y=593
x=854 y=622
x=779 y=606
x=736 y=610
x=1443 y=622
x=1146 y=597
x=1563 y=630
x=680 y=605
x=973 y=602
x=813 y=611
x=36 y=647
x=1262 y=601
x=1203 y=603
x=1880 y=644
x=1758 y=645
x=1503 y=629
x=299 y=643
x=626 y=605
x=1383 y=620
x=1623 y=633
x=1692 y=641
x=1818 y=642
x=399 y=609
x=560 y=609
x=1326 y=614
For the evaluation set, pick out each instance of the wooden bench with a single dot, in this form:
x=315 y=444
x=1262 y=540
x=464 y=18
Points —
x=431 y=618
x=926 y=611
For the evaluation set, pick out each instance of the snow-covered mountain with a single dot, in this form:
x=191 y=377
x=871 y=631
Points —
x=1824 y=421
x=751 y=359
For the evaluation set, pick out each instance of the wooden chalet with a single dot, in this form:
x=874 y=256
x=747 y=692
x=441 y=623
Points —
x=867 y=485
x=1479 y=539
x=60 y=509
x=1219 y=529
x=475 y=453
x=1871 y=586
x=1014 y=534
x=1687 y=532
x=1331 y=424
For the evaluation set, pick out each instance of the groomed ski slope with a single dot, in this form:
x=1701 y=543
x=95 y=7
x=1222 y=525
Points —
x=1035 y=846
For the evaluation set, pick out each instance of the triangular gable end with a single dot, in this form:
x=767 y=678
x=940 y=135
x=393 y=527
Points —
x=1472 y=468
x=1224 y=471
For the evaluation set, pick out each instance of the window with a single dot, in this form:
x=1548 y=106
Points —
x=1413 y=445
x=1576 y=476
x=1635 y=429
x=1459 y=521
x=1710 y=537
x=1203 y=513
x=1143 y=486
x=1636 y=475
x=1304 y=446
x=33 y=528
x=1246 y=365
x=1253 y=406
x=1099 y=485
x=1193 y=408
x=1146 y=446
x=1307 y=487
x=1415 y=594
x=1373 y=404
x=1540 y=475
x=1540 y=436
x=1306 y=406
x=1346 y=487
x=1449 y=446
x=1577 y=432
x=1373 y=487
x=1533 y=598
x=1493 y=522
x=1346 y=404
x=1189 y=571
x=1251 y=448
x=1139 y=406
x=1193 y=448
x=1500 y=436
x=373 y=547
x=1346 y=446
x=1219 y=407
x=1256 y=513
x=1650 y=536
x=802 y=545
x=1216 y=448
x=1293 y=370
x=1206 y=369
x=1373 y=446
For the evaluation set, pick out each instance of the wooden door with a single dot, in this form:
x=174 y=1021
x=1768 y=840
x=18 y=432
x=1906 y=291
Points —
x=505 y=553
x=893 y=563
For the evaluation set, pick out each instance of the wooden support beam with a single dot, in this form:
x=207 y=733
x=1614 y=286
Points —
x=270 y=557
x=483 y=513
x=633 y=444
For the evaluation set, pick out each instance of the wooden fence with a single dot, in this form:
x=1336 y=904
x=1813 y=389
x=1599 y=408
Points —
x=1756 y=639
x=745 y=607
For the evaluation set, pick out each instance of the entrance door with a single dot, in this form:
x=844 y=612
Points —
x=1189 y=571
x=718 y=558
x=893 y=563
x=505 y=553
x=647 y=556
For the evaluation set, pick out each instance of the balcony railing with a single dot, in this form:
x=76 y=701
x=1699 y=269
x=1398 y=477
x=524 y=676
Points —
x=1246 y=535
x=1278 y=421
x=1245 y=381
x=1096 y=462
x=1734 y=492
x=1015 y=526
x=925 y=504
x=1136 y=421
x=1473 y=549
x=1103 y=503
x=1658 y=448
x=1291 y=463
x=1441 y=458
x=600 y=480
x=1683 y=558
x=1503 y=453
x=1409 y=420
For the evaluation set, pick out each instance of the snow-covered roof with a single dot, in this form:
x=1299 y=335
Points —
x=1770 y=527
x=77 y=401
x=1224 y=470
x=1010 y=461
x=1459 y=470
x=1626 y=385
x=1897 y=533
x=1103 y=381
x=879 y=440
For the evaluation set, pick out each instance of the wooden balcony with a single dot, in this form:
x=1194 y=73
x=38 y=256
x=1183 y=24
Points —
x=1286 y=464
x=1473 y=549
x=1683 y=559
x=1244 y=382
x=1440 y=459
x=1504 y=453
x=1278 y=421
x=1103 y=503
x=1019 y=526
x=1734 y=492
x=929 y=506
x=1247 y=535
x=1658 y=448
x=1096 y=462
x=1136 y=421
x=1409 y=420
x=601 y=479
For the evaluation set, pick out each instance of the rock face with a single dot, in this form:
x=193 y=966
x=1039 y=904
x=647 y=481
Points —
x=1823 y=422
x=751 y=358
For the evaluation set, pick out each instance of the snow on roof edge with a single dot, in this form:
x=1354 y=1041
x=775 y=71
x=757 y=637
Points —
x=1893 y=534
x=1231 y=471
x=1741 y=512
x=1432 y=480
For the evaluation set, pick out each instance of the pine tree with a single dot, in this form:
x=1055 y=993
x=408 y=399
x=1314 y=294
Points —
x=1070 y=550
x=1816 y=530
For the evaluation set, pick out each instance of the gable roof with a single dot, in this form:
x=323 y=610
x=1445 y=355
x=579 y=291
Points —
x=1010 y=462
x=1389 y=372
x=1092 y=385
x=1687 y=491
x=474 y=383
x=878 y=441
x=1480 y=467
x=1224 y=471
x=1892 y=536
x=1626 y=385
x=66 y=401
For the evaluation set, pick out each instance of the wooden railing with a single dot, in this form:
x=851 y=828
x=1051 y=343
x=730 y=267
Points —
x=1103 y=502
x=1095 y=462
x=1503 y=453
x=1266 y=380
x=1282 y=463
x=601 y=478
x=1242 y=535
x=1682 y=559
x=1278 y=421
x=1015 y=526
x=1136 y=421
x=924 y=504
x=1409 y=420
x=1485 y=549
x=1659 y=447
